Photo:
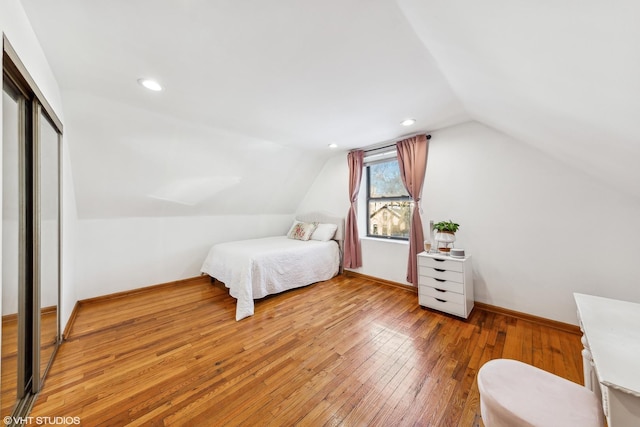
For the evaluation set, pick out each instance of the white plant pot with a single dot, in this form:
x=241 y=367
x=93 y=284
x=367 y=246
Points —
x=444 y=241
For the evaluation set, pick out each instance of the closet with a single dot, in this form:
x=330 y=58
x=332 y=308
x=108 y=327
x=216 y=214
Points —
x=31 y=246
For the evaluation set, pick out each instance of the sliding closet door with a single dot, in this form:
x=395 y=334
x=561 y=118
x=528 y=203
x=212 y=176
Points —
x=47 y=247
x=31 y=139
x=14 y=263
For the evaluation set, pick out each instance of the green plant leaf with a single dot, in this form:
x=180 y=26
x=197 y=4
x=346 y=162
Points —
x=446 y=226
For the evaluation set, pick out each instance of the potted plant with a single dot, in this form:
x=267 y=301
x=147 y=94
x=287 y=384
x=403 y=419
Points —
x=445 y=235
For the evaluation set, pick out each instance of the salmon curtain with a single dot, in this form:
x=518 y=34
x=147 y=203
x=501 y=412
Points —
x=352 y=249
x=412 y=160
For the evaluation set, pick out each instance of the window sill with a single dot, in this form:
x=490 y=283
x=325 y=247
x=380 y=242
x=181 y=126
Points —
x=382 y=239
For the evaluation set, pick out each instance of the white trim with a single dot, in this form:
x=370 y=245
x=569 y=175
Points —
x=379 y=157
x=382 y=239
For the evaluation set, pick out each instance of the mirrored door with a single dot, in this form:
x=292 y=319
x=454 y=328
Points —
x=30 y=234
x=14 y=281
x=47 y=250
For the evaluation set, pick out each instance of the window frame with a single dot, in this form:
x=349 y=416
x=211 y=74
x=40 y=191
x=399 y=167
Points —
x=369 y=199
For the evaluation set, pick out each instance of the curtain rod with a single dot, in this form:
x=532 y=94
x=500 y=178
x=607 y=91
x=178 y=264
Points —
x=394 y=144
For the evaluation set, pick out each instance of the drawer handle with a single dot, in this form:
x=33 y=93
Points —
x=439 y=290
x=441 y=300
x=440 y=270
x=439 y=280
x=440 y=260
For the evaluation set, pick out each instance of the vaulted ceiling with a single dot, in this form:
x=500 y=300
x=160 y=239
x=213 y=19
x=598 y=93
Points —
x=561 y=76
x=254 y=91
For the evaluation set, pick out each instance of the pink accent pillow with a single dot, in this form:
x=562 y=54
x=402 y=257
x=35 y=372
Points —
x=302 y=230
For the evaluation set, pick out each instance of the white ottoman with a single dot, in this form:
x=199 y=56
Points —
x=513 y=393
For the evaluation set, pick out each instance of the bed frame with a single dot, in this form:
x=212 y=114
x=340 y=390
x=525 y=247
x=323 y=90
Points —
x=241 y=283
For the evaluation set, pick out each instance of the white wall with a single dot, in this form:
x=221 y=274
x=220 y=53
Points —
x=155 y=191
x=115 y=255
x=15 y=26
x=329 y=191
x=537 y=230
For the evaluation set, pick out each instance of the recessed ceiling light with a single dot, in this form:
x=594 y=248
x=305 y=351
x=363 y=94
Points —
x=408 y=122
x=333 y=145
x=150 y=84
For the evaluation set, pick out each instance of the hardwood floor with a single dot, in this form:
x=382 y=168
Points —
x=9 y=377
x=343 y=352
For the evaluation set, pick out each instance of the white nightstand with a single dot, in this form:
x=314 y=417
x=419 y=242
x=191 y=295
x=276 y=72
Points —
x=445 y=283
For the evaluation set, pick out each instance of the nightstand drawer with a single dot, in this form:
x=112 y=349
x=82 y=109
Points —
x=447 y=285
x=440 y=263
x=441 y=294
x=438 y=273
x=442 y=305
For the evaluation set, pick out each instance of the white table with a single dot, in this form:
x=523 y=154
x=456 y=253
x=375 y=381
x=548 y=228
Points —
x=611 y=355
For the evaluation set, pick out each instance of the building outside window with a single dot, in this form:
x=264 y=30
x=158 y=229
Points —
x=388 y=203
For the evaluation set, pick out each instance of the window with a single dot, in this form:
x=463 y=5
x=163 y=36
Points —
x=388 y=203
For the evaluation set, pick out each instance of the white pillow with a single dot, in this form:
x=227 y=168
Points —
x=302 y=230
x=324 y=232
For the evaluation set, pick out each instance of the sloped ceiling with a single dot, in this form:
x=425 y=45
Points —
x=561 y=76
x=254 y=93
x=255 y=90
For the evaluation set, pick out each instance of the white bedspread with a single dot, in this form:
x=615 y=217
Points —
x=253 y=269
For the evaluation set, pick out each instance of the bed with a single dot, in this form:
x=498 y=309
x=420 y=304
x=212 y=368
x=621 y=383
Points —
x=253 y=269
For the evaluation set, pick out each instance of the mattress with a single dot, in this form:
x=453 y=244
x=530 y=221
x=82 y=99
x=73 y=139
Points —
x=253 y=269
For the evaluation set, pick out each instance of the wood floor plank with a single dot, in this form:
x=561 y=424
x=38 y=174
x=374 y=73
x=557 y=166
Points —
x=348 y=351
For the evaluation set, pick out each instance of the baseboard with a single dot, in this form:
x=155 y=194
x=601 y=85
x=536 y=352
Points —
x=409 y=288
x=566 y=327
x=72 y=318
x=9 y=318
x=49 y=310
x=130 y=292
x=14 y=317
